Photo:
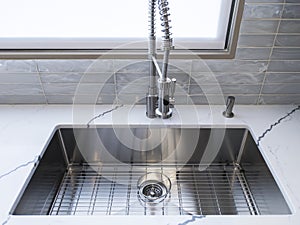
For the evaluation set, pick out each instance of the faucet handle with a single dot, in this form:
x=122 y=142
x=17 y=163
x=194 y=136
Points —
x=173 y=85
x=172 y=92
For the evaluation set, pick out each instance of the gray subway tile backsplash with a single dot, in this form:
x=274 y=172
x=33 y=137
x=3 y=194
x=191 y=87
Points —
x=253 y=53
x=221 y=99
x=19 y=66
x=182 y=89
x=19 y=78
x=289 y=26
x=280 y=99
x=264 y=70
x=137 y=78
x=291 y=11
x=286 y=53
x=230 y=66
x=131 y=77
x=265 y=1
x=91 y=99
x=236 y=78
x=59 y=99
x=223 y=89
x=132 y=88
x=81 y=99
x=57 y=66
x=100 y=77
x=284 y=66
x=22 y=99
x=136 y=98
x=234 y=89
x=107 y=99
x=200 y=66
x=127 y=66
x=66 y=77
x=261 y=27
x=100 y=66
x=71 y=99
x=287 y=40
x=181 y=78
x=283 y=78
x=95 y=89
x=292 y=88
x=292 y=1
x=59 y=88
x=181 y=99
x=246 y=40
x=259 y=11
x=180 y=66
x=85 y=99
x=21 y=89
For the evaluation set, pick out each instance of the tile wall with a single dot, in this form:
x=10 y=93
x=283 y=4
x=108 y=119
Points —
x=266 y=69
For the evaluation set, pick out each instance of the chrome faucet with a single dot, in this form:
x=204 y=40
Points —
x=158 y=102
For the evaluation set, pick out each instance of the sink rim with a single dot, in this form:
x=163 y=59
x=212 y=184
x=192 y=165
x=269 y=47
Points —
x=168 y=126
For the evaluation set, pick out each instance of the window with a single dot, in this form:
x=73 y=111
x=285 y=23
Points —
x=102 y=25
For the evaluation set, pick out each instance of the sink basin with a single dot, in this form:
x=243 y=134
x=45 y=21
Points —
x=151 y=170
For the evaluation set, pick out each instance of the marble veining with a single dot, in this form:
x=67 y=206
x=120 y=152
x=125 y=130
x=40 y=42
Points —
x=279 y=148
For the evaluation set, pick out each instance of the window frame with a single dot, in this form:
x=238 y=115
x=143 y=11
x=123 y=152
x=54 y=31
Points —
x=227 y=53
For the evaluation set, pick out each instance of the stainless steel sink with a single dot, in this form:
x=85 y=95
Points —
x=140 y=170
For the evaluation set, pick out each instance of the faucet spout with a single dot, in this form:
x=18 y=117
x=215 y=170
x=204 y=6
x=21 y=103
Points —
x=151 y=98
x=158 y=105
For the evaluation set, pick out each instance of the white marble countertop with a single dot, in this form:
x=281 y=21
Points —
x=24 y=131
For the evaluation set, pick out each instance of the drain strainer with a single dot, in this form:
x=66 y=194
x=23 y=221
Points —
x=153 y=187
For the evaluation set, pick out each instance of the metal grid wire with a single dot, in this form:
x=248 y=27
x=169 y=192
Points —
x=112 y=190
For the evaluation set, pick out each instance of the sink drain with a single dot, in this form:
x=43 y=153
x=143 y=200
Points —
x=153 y=187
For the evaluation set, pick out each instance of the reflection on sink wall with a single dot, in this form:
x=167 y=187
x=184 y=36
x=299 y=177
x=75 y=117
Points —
x=95 y=171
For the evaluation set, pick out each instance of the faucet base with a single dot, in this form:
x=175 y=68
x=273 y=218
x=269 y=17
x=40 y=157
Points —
x=228 y=114
x=163 y=115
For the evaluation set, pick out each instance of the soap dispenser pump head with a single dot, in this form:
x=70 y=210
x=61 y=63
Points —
x=229 y=106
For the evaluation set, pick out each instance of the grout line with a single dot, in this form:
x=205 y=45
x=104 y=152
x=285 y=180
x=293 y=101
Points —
x=258 y=34
x=187 y=94
x=264 y=3
x=292 y=72
x=288 y=47
x=270 y=34
x=272 y=3
x=270 y=19
x=117 y=100
x=270 y=56
x=41 y=83
x=282 y=60
x=253 y=47
x=282 y=95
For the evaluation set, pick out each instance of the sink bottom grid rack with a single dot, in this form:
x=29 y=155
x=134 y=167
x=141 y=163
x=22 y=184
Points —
x=112 y=190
